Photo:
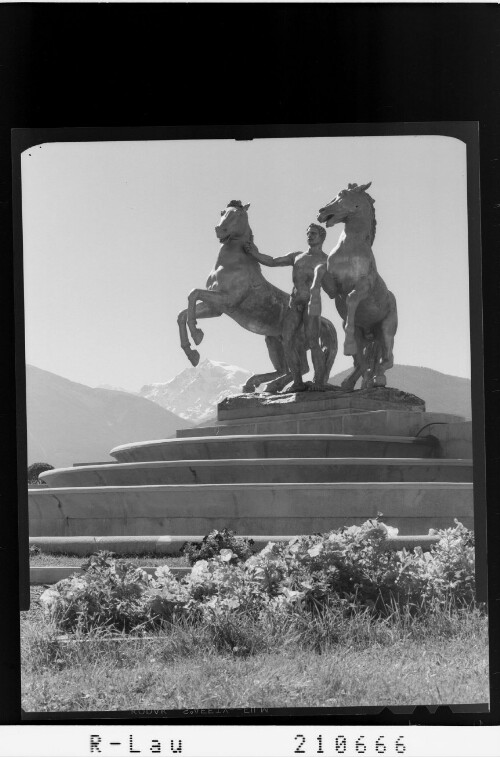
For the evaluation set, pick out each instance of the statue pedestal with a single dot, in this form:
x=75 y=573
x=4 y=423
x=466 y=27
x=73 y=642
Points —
x=274 y=466
x=381 y=410
x=336 y=401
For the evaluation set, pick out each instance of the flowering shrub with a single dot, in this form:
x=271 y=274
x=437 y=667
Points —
x=350 y=569
x=109 y=592
x=452 y=565
x=353 y=564
x=216 y=541
x=165 y=597
x=217 y=584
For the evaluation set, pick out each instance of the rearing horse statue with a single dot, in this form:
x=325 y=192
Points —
x=237 y=288
x=350 y=276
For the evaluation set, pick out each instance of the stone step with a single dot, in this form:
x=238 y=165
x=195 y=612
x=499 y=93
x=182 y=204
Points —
x=281 y=508
x=392 y=422
x=276 y=445
x=171 y=545
x=267 y=470
x=51 y=574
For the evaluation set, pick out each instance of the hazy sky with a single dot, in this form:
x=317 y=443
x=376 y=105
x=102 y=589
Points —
x=116 y=234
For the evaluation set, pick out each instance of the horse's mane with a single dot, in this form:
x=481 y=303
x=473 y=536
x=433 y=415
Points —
x=362 y=190
x=373 y=229
x=239 y=204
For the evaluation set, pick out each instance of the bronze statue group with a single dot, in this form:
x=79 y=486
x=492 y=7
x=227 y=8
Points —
x=293 y=324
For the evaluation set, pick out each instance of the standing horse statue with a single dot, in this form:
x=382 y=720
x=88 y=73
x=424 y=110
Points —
x=237 y=288
x=367 y=307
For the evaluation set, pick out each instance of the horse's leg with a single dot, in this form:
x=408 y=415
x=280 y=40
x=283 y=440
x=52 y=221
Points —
x=352 y=301
x=370 y=360
x=350 y=381
x=277 y=378
x=192 y=355
x=329 y=344
x=217 y=300
x=273 y=380
x=286 y=376
x=388 y=328
x=202 y=311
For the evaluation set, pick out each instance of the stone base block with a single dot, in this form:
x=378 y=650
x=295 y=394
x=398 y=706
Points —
x=353 y=421
x=257 y=405
x=455 y=440
x=414 y=508
x=171 y=545
x=51 y=574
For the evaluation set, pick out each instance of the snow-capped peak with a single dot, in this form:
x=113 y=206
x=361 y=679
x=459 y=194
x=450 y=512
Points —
x=196 y=391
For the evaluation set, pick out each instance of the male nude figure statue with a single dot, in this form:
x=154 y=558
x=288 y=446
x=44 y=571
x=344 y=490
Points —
x=304 y=265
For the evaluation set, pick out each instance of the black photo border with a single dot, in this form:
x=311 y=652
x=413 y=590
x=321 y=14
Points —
x=110 y=64
x=468 y=133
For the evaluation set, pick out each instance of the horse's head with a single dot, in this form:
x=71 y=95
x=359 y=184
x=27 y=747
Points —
x=348 y=201
x=234 y=222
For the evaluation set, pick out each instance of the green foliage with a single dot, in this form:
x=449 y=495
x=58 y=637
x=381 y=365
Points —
x=297 y=661
x=215 y=543
x=107 y=593
x=354 y=565
x=311 y=583
x=34 y=471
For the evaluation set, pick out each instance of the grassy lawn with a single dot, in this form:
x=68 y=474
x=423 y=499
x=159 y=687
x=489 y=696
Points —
x=368 y=664
x=47 y=560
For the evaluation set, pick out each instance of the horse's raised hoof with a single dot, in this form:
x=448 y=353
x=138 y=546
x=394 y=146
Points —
x=272 y=387
x=312 y=387
x=248 y=388
x=194 y=357
x=379 y=381
x=197 y=335
x=297 y=386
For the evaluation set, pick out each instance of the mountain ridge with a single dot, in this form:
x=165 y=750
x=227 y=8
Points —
x=441 y=392
x=69 y=422
x=195 y=392
x=56 y=407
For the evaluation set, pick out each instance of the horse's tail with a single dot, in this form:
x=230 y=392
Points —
x=329 y=344
x=393 y=311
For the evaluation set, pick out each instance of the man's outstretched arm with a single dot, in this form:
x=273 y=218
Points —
x=252 y=250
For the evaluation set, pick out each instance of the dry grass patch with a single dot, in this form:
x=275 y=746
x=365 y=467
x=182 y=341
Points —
x=325 y=620
x=140 y=677
x=367 y=663
x=44 y=559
